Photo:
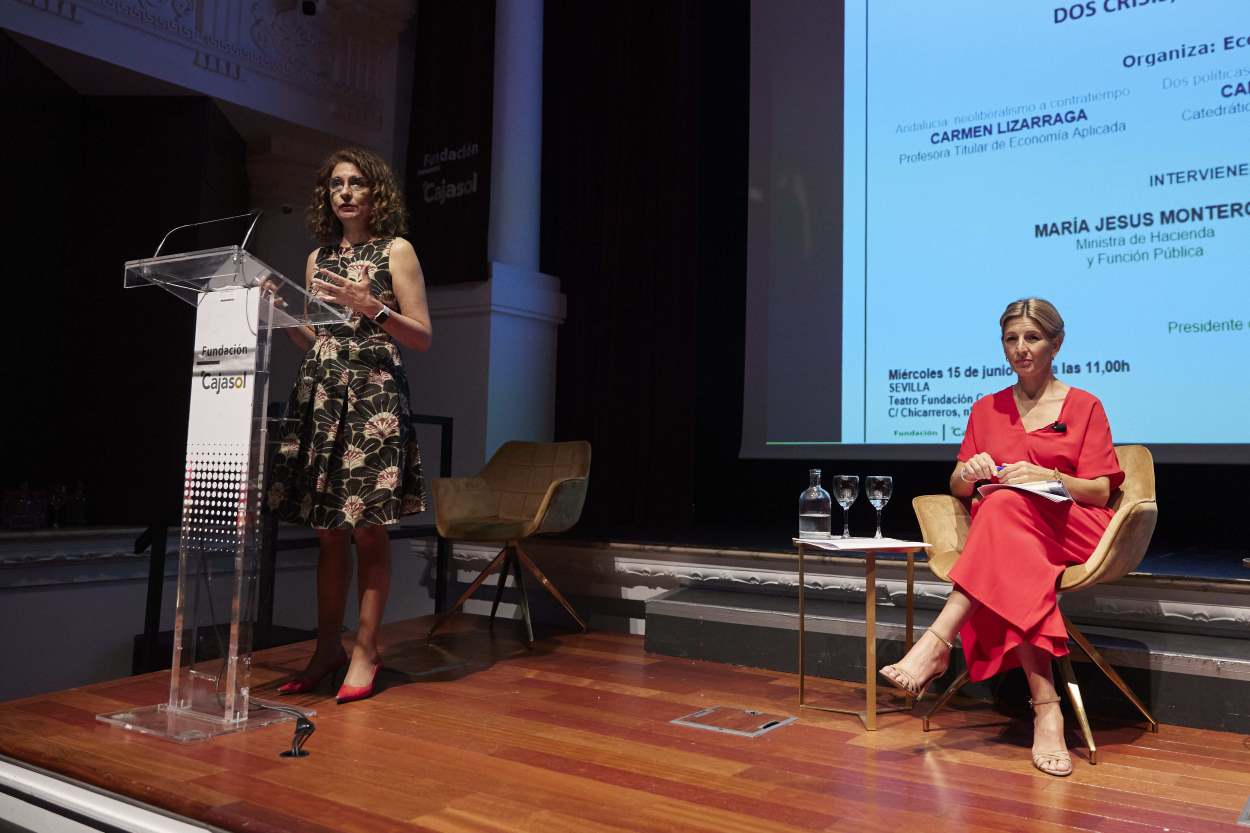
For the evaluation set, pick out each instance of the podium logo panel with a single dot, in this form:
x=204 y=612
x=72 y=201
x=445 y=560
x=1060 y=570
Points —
x=215 y=497
x=219 y=382
x=225 y=388
x=223 y=384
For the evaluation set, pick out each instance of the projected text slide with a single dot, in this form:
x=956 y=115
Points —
x=1096 y=154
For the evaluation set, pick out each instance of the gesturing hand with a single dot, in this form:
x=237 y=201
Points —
x=269 y=286
x=1023 y=472
x=978 y=467
x=336 y=289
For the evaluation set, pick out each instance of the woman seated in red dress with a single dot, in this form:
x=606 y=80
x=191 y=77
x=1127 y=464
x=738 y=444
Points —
x=1004 y=605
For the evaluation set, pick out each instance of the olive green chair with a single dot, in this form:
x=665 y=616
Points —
x=526 y=489
x=944 y=522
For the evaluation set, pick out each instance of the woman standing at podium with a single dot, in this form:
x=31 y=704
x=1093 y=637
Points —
x=1004 y=605
x=348 y=463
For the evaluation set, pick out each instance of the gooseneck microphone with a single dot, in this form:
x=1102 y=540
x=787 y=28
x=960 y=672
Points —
x=254 y=215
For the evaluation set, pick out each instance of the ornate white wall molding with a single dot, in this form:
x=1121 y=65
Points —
x=624 y=571
x=334 y=71
x=338 y=51
x=56 y=8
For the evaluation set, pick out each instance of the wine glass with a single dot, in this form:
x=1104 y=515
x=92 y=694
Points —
x=845 y=491
x=879 y=487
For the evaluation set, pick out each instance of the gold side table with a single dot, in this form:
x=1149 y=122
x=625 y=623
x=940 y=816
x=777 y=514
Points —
x=869 y=548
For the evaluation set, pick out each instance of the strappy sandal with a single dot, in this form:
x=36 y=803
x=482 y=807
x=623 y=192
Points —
x=1058 y=757
x=908 y=684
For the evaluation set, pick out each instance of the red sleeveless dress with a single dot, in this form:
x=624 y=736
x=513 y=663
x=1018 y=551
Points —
x=1019 y=544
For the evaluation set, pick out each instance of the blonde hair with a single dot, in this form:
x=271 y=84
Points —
x=1039 y=310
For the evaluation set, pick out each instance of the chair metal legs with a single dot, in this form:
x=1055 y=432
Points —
x=547 y=585
x=509 y=559
x=1078 y=705
x=500 y=583
x=946 y=696
x=1096 y=658
x=464 y=597
x=1070 y=684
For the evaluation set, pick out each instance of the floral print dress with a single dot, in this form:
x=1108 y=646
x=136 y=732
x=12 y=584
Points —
x=348 y=455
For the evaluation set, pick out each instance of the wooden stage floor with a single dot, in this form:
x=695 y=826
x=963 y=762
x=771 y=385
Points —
x=482 y=735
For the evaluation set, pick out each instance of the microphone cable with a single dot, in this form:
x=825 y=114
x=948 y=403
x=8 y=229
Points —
x=304 y=727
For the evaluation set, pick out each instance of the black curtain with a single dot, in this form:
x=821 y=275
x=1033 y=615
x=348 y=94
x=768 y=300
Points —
x=148 y=164
x=447 y=179
x=641 y=110
x=104 y=372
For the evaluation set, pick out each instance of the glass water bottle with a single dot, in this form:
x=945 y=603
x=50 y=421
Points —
x=815 y=508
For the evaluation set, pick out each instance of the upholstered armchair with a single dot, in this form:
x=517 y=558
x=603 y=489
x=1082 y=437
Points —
x=526 y=489
x=944 y=523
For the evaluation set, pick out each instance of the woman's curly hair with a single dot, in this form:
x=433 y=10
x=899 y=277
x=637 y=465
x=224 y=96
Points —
x=388 y=217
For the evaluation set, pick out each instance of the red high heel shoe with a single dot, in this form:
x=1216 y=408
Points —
x=351 y=693
x=301 y=685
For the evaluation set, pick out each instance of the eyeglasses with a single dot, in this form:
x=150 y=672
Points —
x=356 y=184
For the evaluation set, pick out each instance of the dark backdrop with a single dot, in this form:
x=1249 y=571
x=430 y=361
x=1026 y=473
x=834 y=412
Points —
x=644 y=222
x=447 y=177
x=98 y=391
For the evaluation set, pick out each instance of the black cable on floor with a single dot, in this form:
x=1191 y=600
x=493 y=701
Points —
x=304 y=727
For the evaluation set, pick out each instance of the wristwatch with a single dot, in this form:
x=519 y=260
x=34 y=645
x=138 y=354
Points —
x=382 y=315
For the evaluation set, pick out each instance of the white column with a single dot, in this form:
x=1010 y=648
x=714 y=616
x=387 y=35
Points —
x=526 y=305
x=492 y=365
x=517 y=134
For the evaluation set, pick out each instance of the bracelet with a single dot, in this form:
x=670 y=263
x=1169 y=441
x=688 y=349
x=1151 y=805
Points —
x=1055 y=474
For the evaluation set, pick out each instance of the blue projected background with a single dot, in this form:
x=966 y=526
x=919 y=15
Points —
x=1096 y=154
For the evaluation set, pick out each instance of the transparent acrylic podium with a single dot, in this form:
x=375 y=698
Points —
x=239 y=300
